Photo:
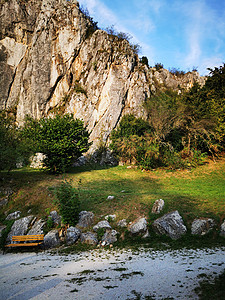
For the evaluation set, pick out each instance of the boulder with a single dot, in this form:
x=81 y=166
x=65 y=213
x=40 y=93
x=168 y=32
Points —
x=222 y=229
x=37 y=227
x=122 y=223
x=109 y=237
x=89 y=238
x=86 y=219
x=51 y=239
x=202 y=226
x=20 y=227
x=138 y=227
x=102 y=224
x=170 y=224
x=158 y=206
x=110 y=218
x=55 y=217
x=72 y=235
x=2 y=228
x=13 y=216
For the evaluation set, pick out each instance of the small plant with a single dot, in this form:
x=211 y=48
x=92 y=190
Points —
x=158 y=66
x=79 y=89
x=68 y=202
x=100 y=233
x=95 y=65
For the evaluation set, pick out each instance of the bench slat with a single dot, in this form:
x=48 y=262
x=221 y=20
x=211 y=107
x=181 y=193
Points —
x=23 y=244
x=39 y=238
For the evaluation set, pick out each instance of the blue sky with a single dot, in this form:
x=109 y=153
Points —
x=179 y=34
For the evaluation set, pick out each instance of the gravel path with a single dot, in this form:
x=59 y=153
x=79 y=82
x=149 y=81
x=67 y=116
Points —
x=102 y=274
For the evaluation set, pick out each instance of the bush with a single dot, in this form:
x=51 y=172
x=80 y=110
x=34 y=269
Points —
x=68 y=202
x=62 y=139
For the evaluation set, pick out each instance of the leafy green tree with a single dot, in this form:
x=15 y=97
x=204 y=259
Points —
x=62 y=139
x=13 y=148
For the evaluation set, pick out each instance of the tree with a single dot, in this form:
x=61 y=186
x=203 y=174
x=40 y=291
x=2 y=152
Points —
x=13 y=149
x=62 y=139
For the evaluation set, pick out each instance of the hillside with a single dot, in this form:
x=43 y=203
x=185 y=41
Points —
x=55 y=59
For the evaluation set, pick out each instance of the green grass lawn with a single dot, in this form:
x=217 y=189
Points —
x=194 y=193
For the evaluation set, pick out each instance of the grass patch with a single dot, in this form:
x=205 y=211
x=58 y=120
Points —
x=194 y=193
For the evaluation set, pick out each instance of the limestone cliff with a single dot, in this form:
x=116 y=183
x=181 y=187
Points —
x=53 y=60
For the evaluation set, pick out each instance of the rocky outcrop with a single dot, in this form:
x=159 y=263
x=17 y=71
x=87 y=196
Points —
x=72 y=235
x=51 y=239
x=139 y=227
x=102 y=224
x=86 y=219
x=222 y=229
x=13 y=216
x=109 y=238
x=158 y=206
x=202 y=226
x=89 y=238
x=170 y=224
x=20 y=227
x=53 y=60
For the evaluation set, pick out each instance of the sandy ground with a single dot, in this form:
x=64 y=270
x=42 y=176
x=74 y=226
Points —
x=102 y=274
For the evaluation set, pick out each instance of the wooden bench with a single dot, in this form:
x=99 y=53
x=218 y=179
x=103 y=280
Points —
x=26 y=240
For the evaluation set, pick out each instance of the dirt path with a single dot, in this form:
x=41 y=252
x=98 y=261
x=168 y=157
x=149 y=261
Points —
x=110 y=275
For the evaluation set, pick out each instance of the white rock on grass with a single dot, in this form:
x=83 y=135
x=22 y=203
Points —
x=222 y=229
x=110 y=217
x=102 y=224
x=110 y=197
x=89 y=238
x=14 y=215
x=20 y=227
x=122 y=223
x=109 y=237
x=202 y=226
x=51 y=239
x=158 y=206
x=72 y=235
x=170 y=224
x=138 y=227
x=86 y=219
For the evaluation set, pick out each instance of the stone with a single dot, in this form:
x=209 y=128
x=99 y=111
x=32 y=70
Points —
x=138 y=227
x=202 y=226
x=3 y=202
x=72 y=235
x=222 y=229
x=37 y=227
x=13 y=216
x=110 y=237
x=89 y=238
x=122 y=223
x=2 y=228
x=37 y=161
x=102 y=224
x=56 y=218
x=51 y=239
x=20 y=227
x=86 y=219
x=110 y=197
x=158 y=206
x=110 y=218
x=170 y=224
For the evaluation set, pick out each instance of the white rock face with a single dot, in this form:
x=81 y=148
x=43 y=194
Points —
x=53 y=63
x=139 y=227
x=170 y=224
x=158 y=206
x=202 y=226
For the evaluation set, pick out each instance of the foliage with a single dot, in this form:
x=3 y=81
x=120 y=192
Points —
x=177 y=71
x=93 y=26
x=144 y=60
x=181 y=130
x=68 y=202
x=13 y=148
x=62 y=139
x=158 y=66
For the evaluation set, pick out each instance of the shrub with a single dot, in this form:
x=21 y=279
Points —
x=68 y=202
x=62 y=139
x=158 y=66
